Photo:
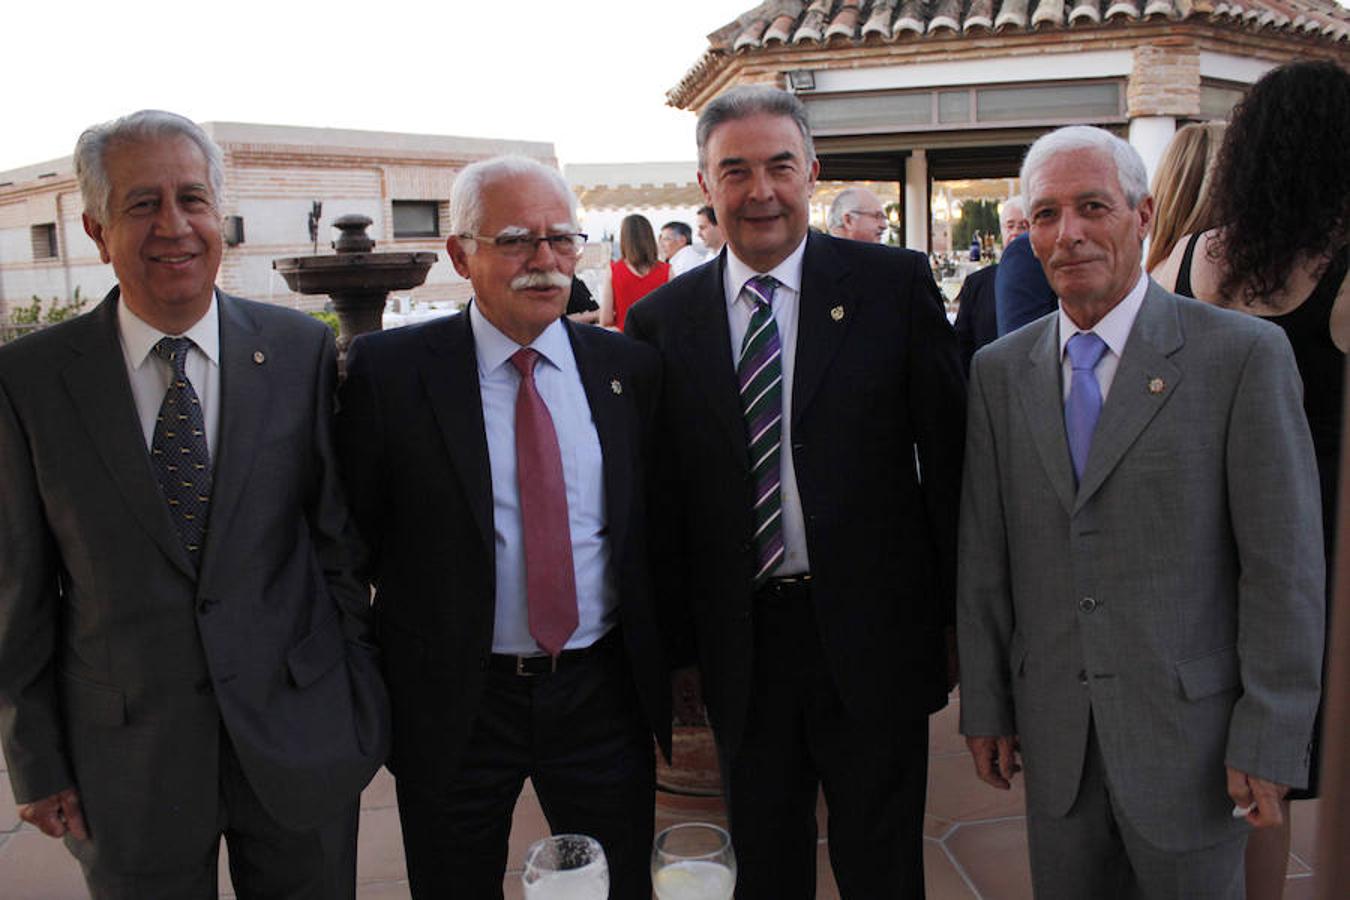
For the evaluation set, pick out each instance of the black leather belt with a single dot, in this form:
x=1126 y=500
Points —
x=784 y=588
x=543 y=664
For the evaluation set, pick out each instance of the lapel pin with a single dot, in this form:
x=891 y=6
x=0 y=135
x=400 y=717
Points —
x=1156 y=385
x=837 y=314
x=615 y=386
x=259 y=357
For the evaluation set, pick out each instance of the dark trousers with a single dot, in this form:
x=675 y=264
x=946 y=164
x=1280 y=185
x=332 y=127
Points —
x=800 y=738
x=267 y=860
x=580 y=736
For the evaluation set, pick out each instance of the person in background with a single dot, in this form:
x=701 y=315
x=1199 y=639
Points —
x=185 y=649
x=976 y=315
x=1183 y=200
x=1282 y=253
x=581 y=306
x=677 y=248
x=708 y=232
x=494 y=462
x=806 y=380
x=1140 y=611
x=634 y=274
x=1021 y=292
x=857 y=214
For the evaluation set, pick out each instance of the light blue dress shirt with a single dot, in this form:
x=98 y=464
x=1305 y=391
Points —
x=559 y=383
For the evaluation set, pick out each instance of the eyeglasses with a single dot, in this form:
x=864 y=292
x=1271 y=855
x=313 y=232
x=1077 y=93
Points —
x=876 y=214
x=523 y=246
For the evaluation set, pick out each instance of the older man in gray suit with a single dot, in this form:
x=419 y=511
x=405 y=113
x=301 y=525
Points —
x=1139 y=605
x=184 y=649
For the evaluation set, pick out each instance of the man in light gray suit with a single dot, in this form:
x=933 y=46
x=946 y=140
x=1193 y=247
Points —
x=184 y=650
x=1139 y=608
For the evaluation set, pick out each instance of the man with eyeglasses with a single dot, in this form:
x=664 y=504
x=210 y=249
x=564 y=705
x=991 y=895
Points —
x=856 y=214
x=494 y=464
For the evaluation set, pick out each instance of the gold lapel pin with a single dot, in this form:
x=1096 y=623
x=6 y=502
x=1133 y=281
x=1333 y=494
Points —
x=615 y=386
x=259 y=357
x=1156 y=385
x=837 y=314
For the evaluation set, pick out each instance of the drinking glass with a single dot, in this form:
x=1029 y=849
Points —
x=566 y=867
x=693 y=861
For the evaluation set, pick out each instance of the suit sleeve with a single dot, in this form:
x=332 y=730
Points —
x=1021 y=292
x=1275 y=512
x=965 y=325
x=937 y=409
x=360 y=437
x=30 y=602
x=984 y=619
x=333 y=532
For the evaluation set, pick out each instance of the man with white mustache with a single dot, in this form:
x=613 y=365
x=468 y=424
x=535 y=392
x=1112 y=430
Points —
x=494 y=464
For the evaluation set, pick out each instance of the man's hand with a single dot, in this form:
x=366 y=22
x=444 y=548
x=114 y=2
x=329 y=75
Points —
x=57 y=814
x=1247 y=790
x=995 y=759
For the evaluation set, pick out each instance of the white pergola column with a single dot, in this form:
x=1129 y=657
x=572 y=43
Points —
x=916 y=201
x=1150 y=135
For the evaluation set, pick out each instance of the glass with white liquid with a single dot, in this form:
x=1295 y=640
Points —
x=566 y=867
x=693 y=861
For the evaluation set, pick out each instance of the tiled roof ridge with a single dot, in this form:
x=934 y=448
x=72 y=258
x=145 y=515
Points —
x=806 y=23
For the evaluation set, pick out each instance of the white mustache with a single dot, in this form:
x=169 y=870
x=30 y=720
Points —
x=531 y=280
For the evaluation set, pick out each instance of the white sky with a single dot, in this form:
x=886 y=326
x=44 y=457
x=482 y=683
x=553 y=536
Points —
x=588 y=75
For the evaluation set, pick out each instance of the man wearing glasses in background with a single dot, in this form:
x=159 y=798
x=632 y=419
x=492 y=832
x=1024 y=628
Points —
x=494 y=464
x=856 y=214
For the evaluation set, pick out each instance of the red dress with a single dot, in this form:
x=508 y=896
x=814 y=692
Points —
x=629 y=288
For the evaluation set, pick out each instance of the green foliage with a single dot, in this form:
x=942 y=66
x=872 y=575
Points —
x=58 y=310
x=327 y=318
x=976 y=215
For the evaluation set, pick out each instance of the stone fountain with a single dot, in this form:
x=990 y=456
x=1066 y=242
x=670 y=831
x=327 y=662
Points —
x=357 y=279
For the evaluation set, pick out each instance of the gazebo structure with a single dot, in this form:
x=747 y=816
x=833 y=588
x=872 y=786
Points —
x=913 y=91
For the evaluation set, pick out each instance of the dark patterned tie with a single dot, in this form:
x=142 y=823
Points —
x=550 y=582
x=760 y=373
x=178 y=450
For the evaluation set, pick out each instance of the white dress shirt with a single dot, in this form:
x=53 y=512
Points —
x=739 y=310
x=1113 y=329
x=684 y=259
x=149 y=375
x=559 y=384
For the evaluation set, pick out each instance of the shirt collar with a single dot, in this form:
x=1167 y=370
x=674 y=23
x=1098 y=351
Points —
x=788 y=272
x=1114 y=327
x=494 y=348
x=140 y=337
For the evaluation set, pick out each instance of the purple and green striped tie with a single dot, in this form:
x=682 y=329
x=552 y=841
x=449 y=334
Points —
x=760 y=373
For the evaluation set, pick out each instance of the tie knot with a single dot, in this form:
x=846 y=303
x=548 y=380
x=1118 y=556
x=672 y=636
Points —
x=1085 y=350
x=761 y=289
x=174 y=351
x=524 y=360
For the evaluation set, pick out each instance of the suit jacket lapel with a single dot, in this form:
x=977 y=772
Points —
x=244 y=401
x=607 y=412
x=449 y=371
x=1144 y=381
x=708 y=362
x=101 y=394
x=825 y=312
x=1041 y=397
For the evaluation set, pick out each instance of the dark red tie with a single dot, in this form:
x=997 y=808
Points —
x=550 y=583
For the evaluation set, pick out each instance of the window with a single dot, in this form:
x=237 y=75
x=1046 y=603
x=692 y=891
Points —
x=44 y=241
x=416 y=218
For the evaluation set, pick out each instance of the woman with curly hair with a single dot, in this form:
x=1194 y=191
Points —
x=1282 y=253
x=1183 y=199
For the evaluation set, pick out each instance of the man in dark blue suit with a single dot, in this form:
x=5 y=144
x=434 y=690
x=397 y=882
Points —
x=808 y=381
x=976 y=316
x=494 y=463
x=1021 y=292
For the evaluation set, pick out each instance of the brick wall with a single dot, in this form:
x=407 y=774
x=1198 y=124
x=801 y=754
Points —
x=1165 y=79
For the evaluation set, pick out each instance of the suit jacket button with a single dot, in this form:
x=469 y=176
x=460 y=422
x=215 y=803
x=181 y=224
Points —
x=204 y=605
x=1082 y=677
x=1087 y=604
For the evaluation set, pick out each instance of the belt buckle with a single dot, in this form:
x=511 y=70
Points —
x=520 y=666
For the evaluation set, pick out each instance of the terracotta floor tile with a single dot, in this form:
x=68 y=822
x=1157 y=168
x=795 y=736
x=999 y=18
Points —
x=527 y=826
x=1303 y=819
x=389 y=890
x=379 y=794
x=36 y=867
x=942 y=881
x=379 y=850
x=955 y=793
x=826 y=889
x=993 y=856
x=936 y=828
x=943 y=737
x=1303 y=888
x=9 y=812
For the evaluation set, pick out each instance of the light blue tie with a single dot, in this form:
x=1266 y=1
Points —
x=1084 y=405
